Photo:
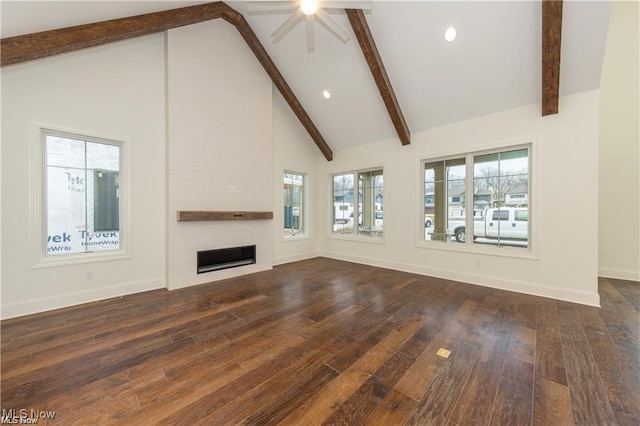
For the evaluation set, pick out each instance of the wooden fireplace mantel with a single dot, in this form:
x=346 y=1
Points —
x=194 y=215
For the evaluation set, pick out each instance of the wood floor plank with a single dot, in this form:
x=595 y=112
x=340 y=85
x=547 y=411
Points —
x=440 y=397
x=549 y=357
x=317 y=350
x=324 y=403
x=627 y=309
x=626 y=338
x=393 y=410
x=621 y=383
x=588 y=394
x=630 y=290
x=418 y=377
x=328 y=341
x=112 y=398
x=443 y=394
x=551 y=403
x=475 y=403
x=295 y=395
x=358 y=407
x=514 y=400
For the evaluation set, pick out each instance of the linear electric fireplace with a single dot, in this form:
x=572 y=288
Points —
x=215 y=260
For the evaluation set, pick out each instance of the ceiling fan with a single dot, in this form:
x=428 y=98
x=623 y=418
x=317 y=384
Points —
x=308 y=10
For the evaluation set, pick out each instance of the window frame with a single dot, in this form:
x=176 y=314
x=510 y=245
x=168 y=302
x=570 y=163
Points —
x=529 y=252
x=304 y=209
x=378 y=237
x=38 y=198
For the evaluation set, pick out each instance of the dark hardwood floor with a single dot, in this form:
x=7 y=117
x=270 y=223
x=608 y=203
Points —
x=329 y=342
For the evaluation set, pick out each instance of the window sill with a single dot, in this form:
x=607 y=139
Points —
x=488 y=250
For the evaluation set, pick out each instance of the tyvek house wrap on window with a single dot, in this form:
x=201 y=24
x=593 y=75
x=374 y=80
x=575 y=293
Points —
x=82 y=216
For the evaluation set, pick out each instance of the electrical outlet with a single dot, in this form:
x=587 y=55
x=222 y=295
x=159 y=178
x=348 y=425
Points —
x=234 y=188
x=88 y=275
x=478 y=263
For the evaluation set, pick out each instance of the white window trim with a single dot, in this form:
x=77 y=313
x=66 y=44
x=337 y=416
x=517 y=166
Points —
x=530 y=252
x=305 y=234
x=37 y=197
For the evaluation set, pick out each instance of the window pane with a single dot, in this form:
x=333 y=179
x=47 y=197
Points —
x=106 y=209
x=358 y=203
x=445 y=199
x=66 y=210
x=370 y=203
x=103 y=156
x=343 y=203
x=293 y=204
x=65 y=152
x=499 y=204
x=501 y=185
x=83 y=203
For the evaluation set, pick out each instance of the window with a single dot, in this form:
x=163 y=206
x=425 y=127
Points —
x=457 y=203
x=294 y=212
x=358 y=203
x=442 y=178
x=522 y=215
x=83 y=201
x=500 y=215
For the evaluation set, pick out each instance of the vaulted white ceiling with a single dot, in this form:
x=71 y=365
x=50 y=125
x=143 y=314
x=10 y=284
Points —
x=493 y=65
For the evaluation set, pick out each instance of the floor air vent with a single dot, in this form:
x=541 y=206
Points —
x=215 y=260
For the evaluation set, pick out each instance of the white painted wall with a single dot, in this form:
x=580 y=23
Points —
x=564 y=257
x=294 y=150
x=116 y=91
x=619 y=200
x=219 y=137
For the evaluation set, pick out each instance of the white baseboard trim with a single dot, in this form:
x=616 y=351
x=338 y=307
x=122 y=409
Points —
x=288 y=259
x=42 y=304
x=620 y=274
x=535 y=289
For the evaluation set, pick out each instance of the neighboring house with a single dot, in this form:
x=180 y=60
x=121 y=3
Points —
x=482 y=199
x=517 y=197
x=344 y=196
x=456 y=198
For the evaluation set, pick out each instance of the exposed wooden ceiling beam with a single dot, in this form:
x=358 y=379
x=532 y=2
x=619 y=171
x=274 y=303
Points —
x=370 y=51
x=551 y=43
x=23 y=48
x=19 y=49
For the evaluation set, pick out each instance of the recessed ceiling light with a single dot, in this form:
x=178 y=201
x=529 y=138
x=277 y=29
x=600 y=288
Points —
x=450 y=34
x=326 y=94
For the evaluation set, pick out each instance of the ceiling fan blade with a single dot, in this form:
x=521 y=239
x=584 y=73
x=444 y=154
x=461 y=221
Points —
x=270 y=11
x=332 y=25
x=346 y=4
x=310 y=40
x=287 y=26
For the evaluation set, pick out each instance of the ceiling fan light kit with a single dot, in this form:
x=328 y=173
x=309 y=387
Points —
x=311 y=10
x=308 y=7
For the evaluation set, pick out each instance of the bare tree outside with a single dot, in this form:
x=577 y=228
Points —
x=488 y=178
